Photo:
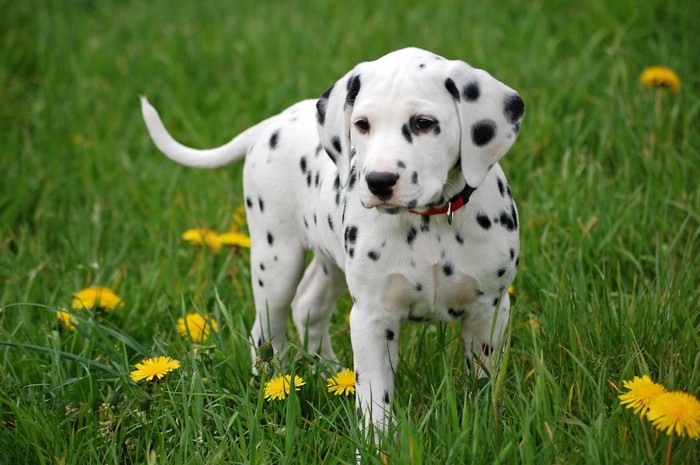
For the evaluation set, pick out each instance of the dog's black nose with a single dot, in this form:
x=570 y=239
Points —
x=381 y=183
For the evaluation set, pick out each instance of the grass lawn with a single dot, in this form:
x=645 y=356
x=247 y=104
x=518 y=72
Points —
x=605 y=173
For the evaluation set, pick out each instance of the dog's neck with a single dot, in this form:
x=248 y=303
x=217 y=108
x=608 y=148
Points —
x=454 y=202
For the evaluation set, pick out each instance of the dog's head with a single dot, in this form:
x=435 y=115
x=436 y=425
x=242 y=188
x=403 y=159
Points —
x=418 y=127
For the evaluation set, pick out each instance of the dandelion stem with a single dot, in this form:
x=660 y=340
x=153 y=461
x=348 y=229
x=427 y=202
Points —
x=647 y=443
x=669 y=451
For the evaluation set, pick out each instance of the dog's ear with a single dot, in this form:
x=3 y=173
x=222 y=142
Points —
x=489 y=115
x=333 y=111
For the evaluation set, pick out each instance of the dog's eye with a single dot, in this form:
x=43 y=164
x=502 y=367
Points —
x=422 y=124
x=362 y=125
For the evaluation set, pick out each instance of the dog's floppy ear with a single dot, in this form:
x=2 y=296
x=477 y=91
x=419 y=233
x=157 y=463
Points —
x=334 y=109
x=489 y=115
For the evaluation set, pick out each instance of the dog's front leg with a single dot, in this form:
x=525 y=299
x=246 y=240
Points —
x=375 y=348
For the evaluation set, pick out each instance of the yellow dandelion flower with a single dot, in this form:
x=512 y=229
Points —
x=676 y=412
x=235 y=238
x=511 y=290
x=660 y=77
x=155 y=367
x=642 y=391
x=66 y=319
x=97 y=297
x=203 y=236
x=342 y=383
x=278 y=388
x=199 y=327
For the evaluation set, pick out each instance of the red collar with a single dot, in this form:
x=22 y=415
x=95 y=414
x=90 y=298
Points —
x=454 y=204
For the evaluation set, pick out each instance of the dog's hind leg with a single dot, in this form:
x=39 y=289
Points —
x=322 y=284
x=275 y=274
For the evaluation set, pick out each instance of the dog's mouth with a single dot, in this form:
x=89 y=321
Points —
x=394 y=208
x=395 y=204
x=390 y=209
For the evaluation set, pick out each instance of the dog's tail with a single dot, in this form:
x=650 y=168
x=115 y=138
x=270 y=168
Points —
x=207 y=158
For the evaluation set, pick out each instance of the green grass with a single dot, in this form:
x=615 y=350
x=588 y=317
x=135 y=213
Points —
x=604 y=171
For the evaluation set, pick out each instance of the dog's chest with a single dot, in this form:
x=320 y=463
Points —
x=425 y=270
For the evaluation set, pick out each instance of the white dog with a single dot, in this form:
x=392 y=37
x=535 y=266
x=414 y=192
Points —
x=391 y=178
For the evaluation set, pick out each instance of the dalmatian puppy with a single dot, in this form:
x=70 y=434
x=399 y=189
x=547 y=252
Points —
x=392 y=179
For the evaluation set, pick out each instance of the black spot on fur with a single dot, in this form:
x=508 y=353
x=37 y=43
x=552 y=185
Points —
x=459 y=239
x=512 y=254
x=390 y=335
x=351 y=234
x=262 y=266
x=411 y=235
x=425 y=223
x=336 y=144
x=330 y=222
x=456 y=313
x=400 y=164
x=486 y=349
x=513 y=108
x=483 y=131
x=514 y=215
x=249 y=202
x=452 y=89
x=495 y=302
x=447 y=269
x=406 y=133
x=353 y=90
x=483 y=220
x=353 y=178
x=261 y=204
x=373 y=255
x=412 y=204
x=274 y=139
x=308 y=179
x=302 y=164
x=321 y=105
x=501 y=187
x=350 y=240
x=270 y=238
x=501 y=272
x=317 y=179
x=507 y=221
x=260 y=283
x=418 y=287
x=471 y=91
x=386 y=397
